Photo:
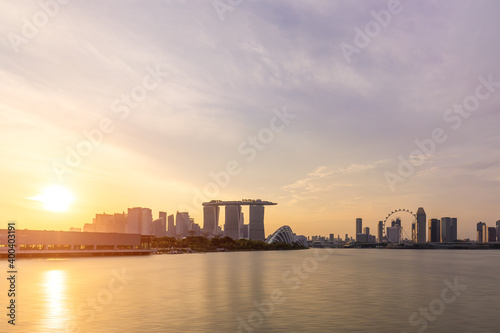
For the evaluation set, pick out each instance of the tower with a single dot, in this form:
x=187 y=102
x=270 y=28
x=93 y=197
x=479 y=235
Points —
x=256 y=224
x=420 y=230
x=210 y=219
x=359 y=226
x=434 y=231
x=380 y=231
x=232 y=224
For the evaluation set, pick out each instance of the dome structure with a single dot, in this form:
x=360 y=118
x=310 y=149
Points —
x=285 y=234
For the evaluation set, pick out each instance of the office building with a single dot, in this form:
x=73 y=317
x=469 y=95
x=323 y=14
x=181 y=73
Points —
x=380 y=231
x=171 y=226
x=434 y=231
x=146 y=222
x=445 y=229
x=359 y=226
x=453 y=229
x=181 y=224
x=481 y=232
x=394 y=233
x=420 y=227
x=120 y=222
x=498 y=231
x=134 y=217
x=492 y=235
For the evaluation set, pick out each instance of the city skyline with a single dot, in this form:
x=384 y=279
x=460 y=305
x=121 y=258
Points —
x=170 y=105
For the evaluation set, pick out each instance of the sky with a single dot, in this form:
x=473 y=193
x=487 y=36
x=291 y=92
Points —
x=335 y=110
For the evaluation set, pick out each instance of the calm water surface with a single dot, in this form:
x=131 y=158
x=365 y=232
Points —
x=340 y=290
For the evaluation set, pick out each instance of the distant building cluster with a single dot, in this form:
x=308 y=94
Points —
x=139 y=220
x=485 y=234
x=443 y=230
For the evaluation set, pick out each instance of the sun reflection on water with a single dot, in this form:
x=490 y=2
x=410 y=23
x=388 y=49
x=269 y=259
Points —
x=54 y=299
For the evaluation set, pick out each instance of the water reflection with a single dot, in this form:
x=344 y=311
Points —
x=54 y=299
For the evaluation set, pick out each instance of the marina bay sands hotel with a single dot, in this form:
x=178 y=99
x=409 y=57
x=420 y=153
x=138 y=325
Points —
x=234 y=218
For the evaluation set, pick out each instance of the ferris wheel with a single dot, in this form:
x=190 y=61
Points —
x=397 y=233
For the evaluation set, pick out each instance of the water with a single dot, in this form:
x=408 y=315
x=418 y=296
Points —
x=340 y=290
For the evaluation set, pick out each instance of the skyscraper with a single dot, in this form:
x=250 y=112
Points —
x=492 y=235
x=210 y=220
x=498 y=231
x=146 y=222
x=171 y=226
x=134 y=217
x=394 y=233
x=445 y=229
x=232 y=224
x=453 y=229
x=380 y=231
x=359 y=226
x=181 y=224
x=421 y=221
x=434 y=231
x=256 y=224
x=160 y=225
x=481 y=232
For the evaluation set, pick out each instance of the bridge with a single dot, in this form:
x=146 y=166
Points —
x=233 y=220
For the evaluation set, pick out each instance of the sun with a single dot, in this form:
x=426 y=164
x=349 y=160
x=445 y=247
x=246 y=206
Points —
x=55 y=198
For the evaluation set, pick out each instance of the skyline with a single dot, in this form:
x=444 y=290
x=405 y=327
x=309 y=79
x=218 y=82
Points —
x=166 y=105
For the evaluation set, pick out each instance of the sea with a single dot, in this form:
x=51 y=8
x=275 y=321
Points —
x=314 y=290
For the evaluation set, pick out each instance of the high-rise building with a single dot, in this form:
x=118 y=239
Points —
x=420 y=229
x=434 y=231
x=244 y=231
x=181 y=224
x=256 y=224
x=232 y=223
x=396 y=222
x=453 y=229
x=414 y=232
x=359 y=226
x=134 y=218
x=104 y=222
x=120 y=222
x=171 y=226
x=210 y=220
x=498 y=231
x=445 y=229
x=160 y=225
x=146 y=222
x=380 y=231
x=331 y=238
x=394 y=233
x=481 y=232
x=366 y=230
x=492 y=235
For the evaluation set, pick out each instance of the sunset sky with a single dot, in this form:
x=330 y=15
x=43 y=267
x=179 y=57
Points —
x=175 y=92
